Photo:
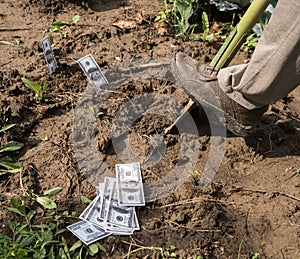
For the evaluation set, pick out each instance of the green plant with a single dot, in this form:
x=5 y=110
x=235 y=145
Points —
x=250 y=43
x=255 y=255
x=85 y=200
x=252 y=39
x=59 y=27
x=205 y=36
x=96 y=114
x=3 y=118
x=6 y=165
x=39 y=90
x=182 y=14
x=194 y=173
x=170 y=252
x=38 y=233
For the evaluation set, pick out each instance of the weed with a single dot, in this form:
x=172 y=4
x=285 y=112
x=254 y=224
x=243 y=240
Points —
x=205 y=27
x=194 y=173
x=59 y=27
x=96 y=114
x=255 y=255
x=85 y=200
x=6 y=165
x=250 y=43
x=3 y=118
x=182 y=14
x=170 y=252
x=28 y=239
x=39 y=90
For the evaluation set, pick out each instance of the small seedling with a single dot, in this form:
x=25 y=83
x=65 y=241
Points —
x=39 y=90
x=250 y=43
x=96 y=114
x=3 y=118
x=194 y=173
x=58 y=27
x=170 y=252
x=85 y=200
x=205 y=27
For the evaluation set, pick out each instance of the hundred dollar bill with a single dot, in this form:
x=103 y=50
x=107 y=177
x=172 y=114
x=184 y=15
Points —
x=124 y=230
x=49 y=55
x=100 y=189
x=92 y=71
x=87 y=232
x=94 y=213
x=119 y=215
x=87 y=210
x=107 y=192
x=130 y=189
x=135 y=223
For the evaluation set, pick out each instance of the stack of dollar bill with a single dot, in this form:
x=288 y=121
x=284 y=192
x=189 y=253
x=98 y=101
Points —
x=113 y=209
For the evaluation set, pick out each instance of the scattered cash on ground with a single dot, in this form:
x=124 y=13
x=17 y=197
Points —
x=46 y=43
x=113 y=209
x=92 y=71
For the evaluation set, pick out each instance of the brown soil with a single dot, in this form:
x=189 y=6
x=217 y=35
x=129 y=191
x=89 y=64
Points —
x=253 y=202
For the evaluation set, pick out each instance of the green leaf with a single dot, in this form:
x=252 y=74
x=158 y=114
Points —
x=60 y=231
x=53 y=191
x=172 y=247
x=7 y=127
x=85 y=200
x=11 y=146
x=14 y=202
x=76 y=19
x=255 y=255
x=102 y=248
x=28 y=83
x=205 y=23
x=76 y=245
x=31 y=214
x=61 y=253
x=46 y=202
x=9 y=168
x=15 y=210
x=93 y=249
x=59 y=24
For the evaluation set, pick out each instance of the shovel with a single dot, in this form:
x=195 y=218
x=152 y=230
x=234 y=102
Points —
x=237 y=37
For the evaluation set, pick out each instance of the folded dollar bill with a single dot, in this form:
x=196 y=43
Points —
x=46 y=43
x=92 y=71
x=87 y=232
x=119 y=215
x=130 y=189
x=87 y=210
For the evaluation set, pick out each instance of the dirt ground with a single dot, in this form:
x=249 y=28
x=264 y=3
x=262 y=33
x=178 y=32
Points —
x=253 y=203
